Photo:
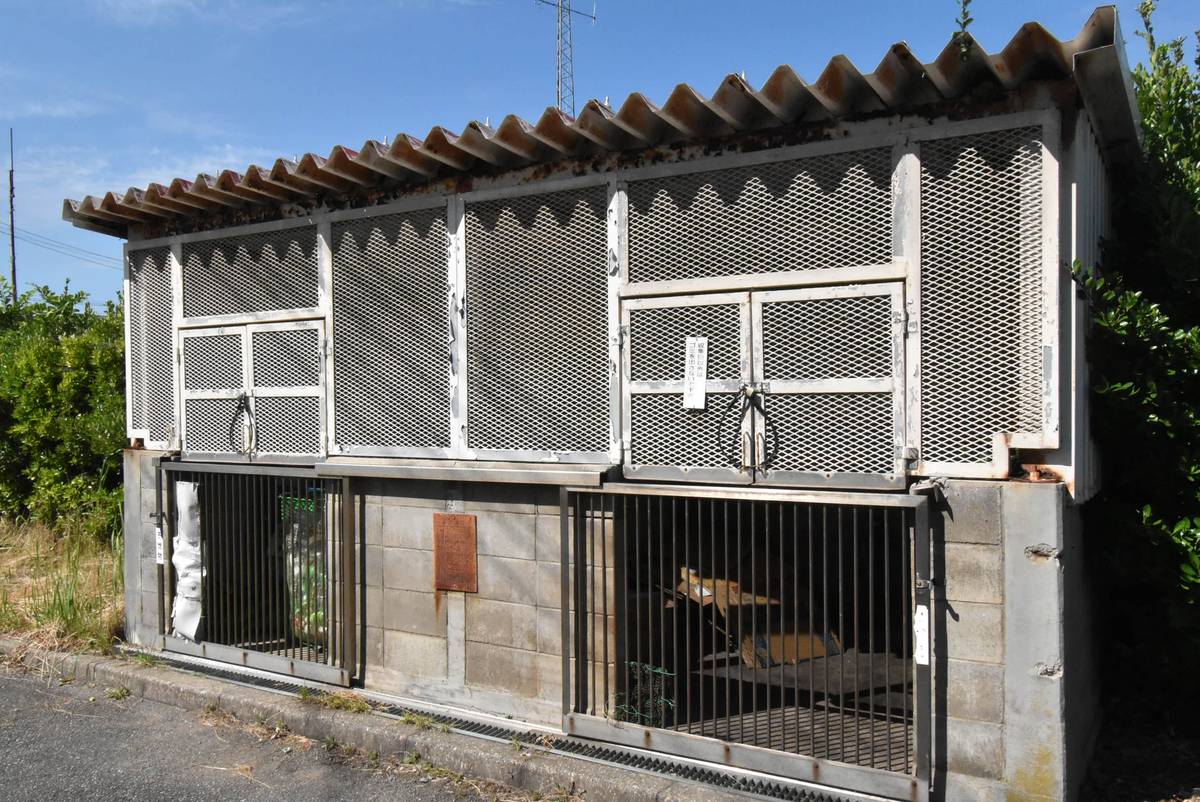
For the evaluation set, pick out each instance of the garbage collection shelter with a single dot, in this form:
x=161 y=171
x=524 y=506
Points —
x=748 y=431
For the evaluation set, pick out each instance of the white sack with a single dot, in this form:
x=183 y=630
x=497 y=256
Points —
x=185 y=556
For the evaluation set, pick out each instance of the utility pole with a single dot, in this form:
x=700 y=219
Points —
x=12 y=220
x=565 y=53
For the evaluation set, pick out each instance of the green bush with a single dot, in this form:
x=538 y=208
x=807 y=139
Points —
x=62 y=411
x=1145 y=359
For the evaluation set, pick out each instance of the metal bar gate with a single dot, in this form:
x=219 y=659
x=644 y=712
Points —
x=780 y=632
x=259 y=568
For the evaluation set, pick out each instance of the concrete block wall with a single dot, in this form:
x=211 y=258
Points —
x=1015 y=692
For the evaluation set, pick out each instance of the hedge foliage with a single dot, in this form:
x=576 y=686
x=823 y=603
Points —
x=62 y=411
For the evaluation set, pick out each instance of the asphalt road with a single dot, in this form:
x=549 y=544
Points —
x=72 y=742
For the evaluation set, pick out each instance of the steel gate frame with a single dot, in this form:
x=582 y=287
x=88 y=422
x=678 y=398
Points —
x=830 y=773
x=343 y=666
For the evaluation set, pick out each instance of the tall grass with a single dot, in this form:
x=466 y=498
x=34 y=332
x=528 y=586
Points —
x=68 y=588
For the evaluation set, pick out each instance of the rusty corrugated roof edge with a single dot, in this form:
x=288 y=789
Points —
x=900 y=83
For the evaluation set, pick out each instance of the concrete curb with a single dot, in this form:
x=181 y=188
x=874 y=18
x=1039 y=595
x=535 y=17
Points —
x=530 y=769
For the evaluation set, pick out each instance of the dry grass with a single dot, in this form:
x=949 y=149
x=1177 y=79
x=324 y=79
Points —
x=60 y=592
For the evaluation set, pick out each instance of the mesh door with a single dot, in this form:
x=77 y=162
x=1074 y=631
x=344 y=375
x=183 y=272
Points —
x=151 y=382
x=537 y=326
x=830 y=359
x=806 y=214
x=264 y=272
x=391 y=332
x=214 y=376
x=667 y=440
x=981 y=293
x=286 y=370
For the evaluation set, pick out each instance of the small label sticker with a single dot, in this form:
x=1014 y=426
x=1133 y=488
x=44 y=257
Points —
x=158 y=545
x=921 y=635
x=695 y=373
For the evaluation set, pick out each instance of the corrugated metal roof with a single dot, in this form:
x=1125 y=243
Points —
x=899 y=84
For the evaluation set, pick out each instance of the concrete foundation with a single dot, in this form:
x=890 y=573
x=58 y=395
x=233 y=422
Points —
x=1015 y=692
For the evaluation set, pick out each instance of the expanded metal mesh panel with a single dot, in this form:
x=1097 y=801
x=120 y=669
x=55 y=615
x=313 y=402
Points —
x=981 y=292
x=658 y=341
x=834 y=432
x=286 y=358
x=827 y=338
x=152 y=360
x=537 y=331
x=209 y=422
x=662 y=432
x=391 y=332
x=287 y=425
x=252 y=273
x=213 y=362
x=807 y=214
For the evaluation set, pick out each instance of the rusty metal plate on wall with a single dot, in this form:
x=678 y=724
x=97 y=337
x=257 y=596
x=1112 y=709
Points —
x=454 y=563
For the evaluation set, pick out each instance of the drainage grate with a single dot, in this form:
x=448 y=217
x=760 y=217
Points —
x=730 y=780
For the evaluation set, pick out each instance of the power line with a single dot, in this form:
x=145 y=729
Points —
x=50 y=240
x=108 y=265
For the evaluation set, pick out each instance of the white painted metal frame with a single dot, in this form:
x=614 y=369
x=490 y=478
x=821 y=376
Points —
x=143 y=432
x=1048 y=438
x=893 y=385
x=250 y=388
x=904 y=136
x=726 y=475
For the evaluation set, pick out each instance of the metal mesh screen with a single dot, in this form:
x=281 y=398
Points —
x=286 y=358
x=662 y=432
x=213 y=362
x=833 y=432
x=807 y=214
x=981 y=292
x=391 y=331
x=151 y=354
x=253 y=273
x=208 y=423
x=537 y=331
x=827 y=338
x=658 y=341
x=287 y=425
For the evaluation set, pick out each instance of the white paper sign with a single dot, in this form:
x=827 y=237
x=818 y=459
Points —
x=921 y=635
x=695 y=373
x=158 y=545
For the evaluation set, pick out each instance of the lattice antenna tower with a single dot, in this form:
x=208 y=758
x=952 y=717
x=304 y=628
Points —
x=565 y=53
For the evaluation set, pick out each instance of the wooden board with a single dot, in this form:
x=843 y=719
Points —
x=454 y=558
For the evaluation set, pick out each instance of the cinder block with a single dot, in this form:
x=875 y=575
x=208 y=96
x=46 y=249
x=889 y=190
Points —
x=412 y=493
x=408 y=527
x=975 y=691
x=964 y=787
x=146 y=509
x=408 y=569
x=501 y=668
x=505 y=534
x=413 y=655
x=505 y=579
x=148 y=614
x=478 y=497
x=547 y=501
x=549 y=630
x=974 y=514
x=973 y=631
x=149 y=574
x=421 y=612
x=974 y=573
x=548 y=537
x=549 y=677
x=975 y=748
x=374 y=647
x=374 y=603
x=373 y=574
x=549 y=585
x=372 y=522
x=501 y=623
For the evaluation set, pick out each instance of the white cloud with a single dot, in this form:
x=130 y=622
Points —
x=65 y=109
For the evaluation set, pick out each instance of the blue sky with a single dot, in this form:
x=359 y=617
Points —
x=105 y=94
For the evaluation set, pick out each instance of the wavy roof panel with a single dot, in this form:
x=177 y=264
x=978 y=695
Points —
x=899 y=84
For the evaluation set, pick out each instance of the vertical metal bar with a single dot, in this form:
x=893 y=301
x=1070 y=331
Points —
x=906 y=584
x=857 y=648
x=741 y=690
x=662 y=616
x=782 y=630
x=621 y=603
x=564 y=578
x=794 y=540
x=841 y=630
x=825 y=615
x=687 y=611
x=923 y=723
x=887 y=632
x=754 y=610
x=669 y=594
x=591 y=606
x=871 y=625
x=604 y=500
x=158 y=534
x=221 y=513
x=812 y=667
x=728 y=623
x=639 y=665
x=712 y=617
x=350 y=539
x=581 y=566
